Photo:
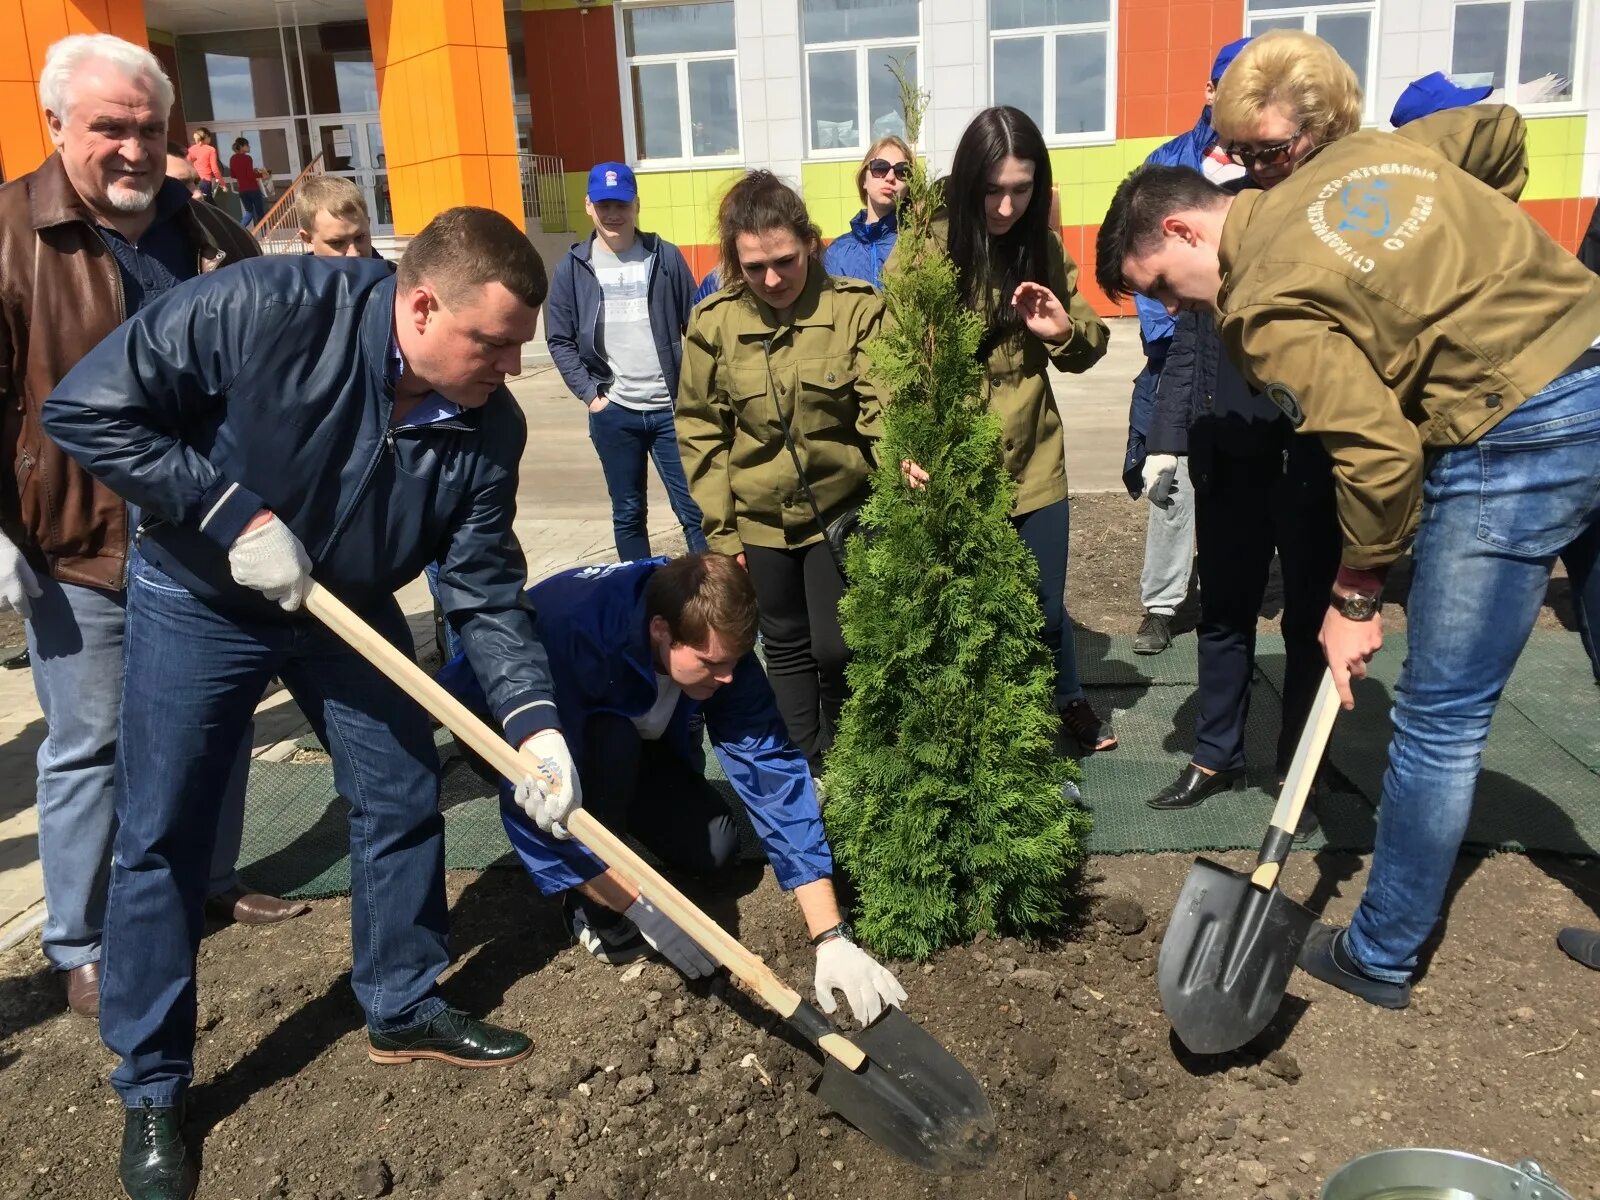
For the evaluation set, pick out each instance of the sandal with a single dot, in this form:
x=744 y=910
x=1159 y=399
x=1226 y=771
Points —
x=1078 y=719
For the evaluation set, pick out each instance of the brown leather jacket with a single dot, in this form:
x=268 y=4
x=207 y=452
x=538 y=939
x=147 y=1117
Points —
x=60 y=293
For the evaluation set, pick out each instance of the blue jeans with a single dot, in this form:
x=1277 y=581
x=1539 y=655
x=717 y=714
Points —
x=253 y=206
x=193 y=676
x=75 y=644
x=1044 y=531
x=625 y=438
x=1495 y=516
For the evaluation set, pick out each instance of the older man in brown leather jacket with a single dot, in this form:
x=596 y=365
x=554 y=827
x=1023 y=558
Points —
x=1442 y=346
x=88 y=237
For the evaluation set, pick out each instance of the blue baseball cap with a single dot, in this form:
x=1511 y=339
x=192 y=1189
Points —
x=1430 y=94
x=1225 y=56
x=612 y=181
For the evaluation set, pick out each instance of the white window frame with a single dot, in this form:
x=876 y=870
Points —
x=1311 y=11
x=1514 y=57
x=1049 y=34
x=625 y=65
x=863 y=49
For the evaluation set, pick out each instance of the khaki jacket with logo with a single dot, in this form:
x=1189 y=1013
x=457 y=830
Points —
x=1393 y=304
x=739 y=469
x=1017 y=380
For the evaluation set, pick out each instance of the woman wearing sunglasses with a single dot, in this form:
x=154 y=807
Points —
x=881 y=181
x=1259 y=491
x=1014 y=272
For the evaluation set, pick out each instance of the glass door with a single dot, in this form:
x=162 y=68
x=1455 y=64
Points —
x=351 y=145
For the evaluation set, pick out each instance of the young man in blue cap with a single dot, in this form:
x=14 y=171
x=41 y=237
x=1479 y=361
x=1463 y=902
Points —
x=1169 y=539
x=619 y=305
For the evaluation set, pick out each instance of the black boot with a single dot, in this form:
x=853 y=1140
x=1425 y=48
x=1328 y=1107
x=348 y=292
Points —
x=155 y=1164
x=1194 y=786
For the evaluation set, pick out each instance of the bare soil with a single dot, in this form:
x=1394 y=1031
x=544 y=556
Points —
x=641 y=1085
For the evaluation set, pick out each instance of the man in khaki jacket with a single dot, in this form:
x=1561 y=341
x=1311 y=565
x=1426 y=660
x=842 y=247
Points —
x=1441 y=345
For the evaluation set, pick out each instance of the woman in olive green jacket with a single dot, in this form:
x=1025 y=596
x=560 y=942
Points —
x=782 y=345
x=1014 y=272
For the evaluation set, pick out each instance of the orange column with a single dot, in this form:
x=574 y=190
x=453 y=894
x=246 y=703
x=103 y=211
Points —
x=444 y=97
x=30 y=28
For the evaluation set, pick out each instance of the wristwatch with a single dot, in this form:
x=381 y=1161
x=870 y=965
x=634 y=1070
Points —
x=841 y=930
x=1356 y=606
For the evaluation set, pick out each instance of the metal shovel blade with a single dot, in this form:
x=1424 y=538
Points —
x=1227 y=957
x=912 y=1097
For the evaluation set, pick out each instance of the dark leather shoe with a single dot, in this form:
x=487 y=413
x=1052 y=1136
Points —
x=155 y=1164
x=1582 y=945
x=253 y=908
x=451 y=1037
x=1155 y=634
x=83 y=989
x=1194 y=786
x=1326 y=957
x=1079 y=720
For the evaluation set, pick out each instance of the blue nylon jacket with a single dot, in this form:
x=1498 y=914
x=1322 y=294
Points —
x=574 y=324
x=860 y=251
x=592 y=623
x=711 y=283
x=266 y=386
x=1185 y=150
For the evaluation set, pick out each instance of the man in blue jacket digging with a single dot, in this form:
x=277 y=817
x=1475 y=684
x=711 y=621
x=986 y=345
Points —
x=638 y=653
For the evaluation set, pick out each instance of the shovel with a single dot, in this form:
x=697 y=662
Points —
x=892 y=1081
x=1233 y=939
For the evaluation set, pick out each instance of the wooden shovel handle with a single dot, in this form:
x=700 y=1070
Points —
x=612 y=850
x=1297 y=784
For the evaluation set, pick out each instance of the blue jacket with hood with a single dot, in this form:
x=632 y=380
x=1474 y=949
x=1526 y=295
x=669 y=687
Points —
x=593 y=625
x=270 y=385
x=574 y=316
x=860 y=251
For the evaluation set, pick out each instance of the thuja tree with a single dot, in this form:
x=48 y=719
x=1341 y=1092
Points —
x=945 y=793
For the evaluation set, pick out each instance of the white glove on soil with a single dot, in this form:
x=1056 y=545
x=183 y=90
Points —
x=673 y=944
x=550 y=797
x=270 y=559
x=18 y=584
x=1160 y=475
x=866 y=984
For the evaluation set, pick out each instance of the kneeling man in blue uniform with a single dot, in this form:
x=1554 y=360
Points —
x=639 y=653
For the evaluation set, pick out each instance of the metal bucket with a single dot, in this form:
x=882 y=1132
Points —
x=1438 y=1175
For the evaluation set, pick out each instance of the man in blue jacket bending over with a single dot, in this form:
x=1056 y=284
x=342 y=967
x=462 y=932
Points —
x=291 y=414
x=638 y=653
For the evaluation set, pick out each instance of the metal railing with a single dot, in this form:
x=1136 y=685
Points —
x=544 y=191
x=279 y=230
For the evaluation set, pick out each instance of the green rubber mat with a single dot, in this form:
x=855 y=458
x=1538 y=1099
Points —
x=1540 y=788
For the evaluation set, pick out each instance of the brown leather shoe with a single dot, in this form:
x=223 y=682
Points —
x=83 y=990
x=253 y=908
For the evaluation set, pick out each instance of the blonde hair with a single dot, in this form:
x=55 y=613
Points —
x=893 y=139
x=332 y=194
x=1297 y=71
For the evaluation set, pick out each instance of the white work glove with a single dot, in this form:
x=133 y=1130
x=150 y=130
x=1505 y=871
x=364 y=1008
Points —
x=671 y=942
x=1160 y=475
x=866 y=984
x=18 y=583
x=550 y=797
x=270 y=559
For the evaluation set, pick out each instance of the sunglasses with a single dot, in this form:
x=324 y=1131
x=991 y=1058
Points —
x=1275 y=155
x=881 y=168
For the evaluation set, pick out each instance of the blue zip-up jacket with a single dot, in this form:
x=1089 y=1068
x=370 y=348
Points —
x=267 y=386
x=592 y=622
x=574 y=316
x=860 y=251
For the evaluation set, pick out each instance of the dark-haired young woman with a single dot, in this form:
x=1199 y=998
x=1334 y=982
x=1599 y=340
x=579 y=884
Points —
x=782 y=345
x=1015 y=273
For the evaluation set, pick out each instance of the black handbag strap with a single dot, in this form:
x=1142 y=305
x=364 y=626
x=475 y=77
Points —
x=788 y=440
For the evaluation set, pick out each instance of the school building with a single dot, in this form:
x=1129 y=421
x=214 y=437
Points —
x=430 y=103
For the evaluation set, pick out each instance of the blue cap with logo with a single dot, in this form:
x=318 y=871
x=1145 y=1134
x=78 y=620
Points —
x=612 y=181
x=1225 y=56
x=1430 y=94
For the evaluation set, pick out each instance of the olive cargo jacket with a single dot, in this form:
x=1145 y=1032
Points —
x=739 y=469
x=1017 y=380
x=1391 y=303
